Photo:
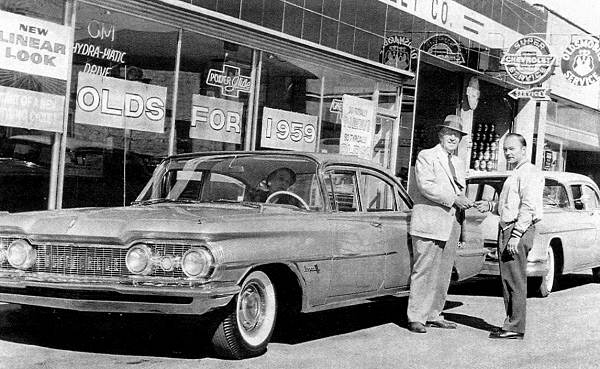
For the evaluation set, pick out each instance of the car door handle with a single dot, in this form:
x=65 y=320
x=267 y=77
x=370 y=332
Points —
x=375 y=224
x=345 y=252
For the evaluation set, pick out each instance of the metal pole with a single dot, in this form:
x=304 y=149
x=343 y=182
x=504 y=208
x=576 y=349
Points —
x=172 y=144
x=58 y=175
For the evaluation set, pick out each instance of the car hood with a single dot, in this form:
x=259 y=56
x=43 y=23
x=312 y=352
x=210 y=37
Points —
x=122 y=223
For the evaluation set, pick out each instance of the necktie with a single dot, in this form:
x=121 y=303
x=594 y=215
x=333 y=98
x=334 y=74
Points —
x=453 y=171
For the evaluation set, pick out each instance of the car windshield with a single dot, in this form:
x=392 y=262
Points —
x=284 y=180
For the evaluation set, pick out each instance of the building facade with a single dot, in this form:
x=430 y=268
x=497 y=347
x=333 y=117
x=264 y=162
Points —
x=96 y=92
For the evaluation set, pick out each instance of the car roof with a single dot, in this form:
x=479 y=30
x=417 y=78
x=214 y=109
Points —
x=322 y=158
x=558 y=176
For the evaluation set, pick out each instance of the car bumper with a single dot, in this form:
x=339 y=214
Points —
x=113 y=295
x=534 y=269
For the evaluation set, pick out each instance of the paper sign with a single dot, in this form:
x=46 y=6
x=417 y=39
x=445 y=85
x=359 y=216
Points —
x=358 y=124
x=216 y=119
x=282 y=129
x=118 y=103
x=31 y=110
x=34 y=46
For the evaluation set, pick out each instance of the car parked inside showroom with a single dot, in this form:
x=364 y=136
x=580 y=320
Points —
x=566 y=239
x=200 y=239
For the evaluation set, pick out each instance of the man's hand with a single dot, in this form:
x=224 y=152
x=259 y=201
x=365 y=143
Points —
x=482 y=205
x=512 y=246
x=462 y=202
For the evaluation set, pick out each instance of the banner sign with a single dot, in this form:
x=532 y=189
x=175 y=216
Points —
x=118 y=103
x=33 y=46
x=31 y=110
x=580 y=61
x=282 y=129
x=445 y=47
x=216 y=119
x=536 y=93
x=528 y=60
x=358 y=124
x=229 y=80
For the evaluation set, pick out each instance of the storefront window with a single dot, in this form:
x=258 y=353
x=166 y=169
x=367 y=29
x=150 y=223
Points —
x=288 y=104
x=120 y=114
x=337 y=85
x=213 y=94
x=32 y=89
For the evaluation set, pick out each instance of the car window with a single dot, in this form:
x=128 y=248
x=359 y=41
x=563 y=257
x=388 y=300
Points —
x=555 y=195
x=378 y=194
x=589 y=198
x=342 y=190
x=577 y=194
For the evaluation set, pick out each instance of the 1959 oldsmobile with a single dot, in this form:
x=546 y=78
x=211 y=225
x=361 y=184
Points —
x=247 y=234
x=567 y=237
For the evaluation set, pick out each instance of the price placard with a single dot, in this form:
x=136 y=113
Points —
x=282 y=129
x=358 y=125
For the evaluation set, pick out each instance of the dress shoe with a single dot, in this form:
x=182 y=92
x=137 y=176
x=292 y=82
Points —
x=416 y=327
x=507 y=335
x=441 y=324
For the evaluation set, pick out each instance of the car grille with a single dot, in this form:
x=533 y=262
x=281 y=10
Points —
x=94 y=260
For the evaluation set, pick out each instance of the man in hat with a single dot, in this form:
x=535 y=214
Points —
x=435 y=228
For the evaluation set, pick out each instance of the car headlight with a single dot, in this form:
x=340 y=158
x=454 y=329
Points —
x=197 y=262
x=20 y=254
x=139 y=259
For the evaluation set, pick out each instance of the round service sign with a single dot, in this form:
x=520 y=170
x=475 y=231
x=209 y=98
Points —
x=528 y=60
x=580 y=61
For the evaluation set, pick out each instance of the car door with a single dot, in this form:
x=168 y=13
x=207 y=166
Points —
x=591 y=208
x=358 y=252
x=583 y=226
x=382 y=198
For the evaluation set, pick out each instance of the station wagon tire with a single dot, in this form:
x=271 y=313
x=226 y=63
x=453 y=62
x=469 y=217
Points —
x=247 y=328
x=542 y=286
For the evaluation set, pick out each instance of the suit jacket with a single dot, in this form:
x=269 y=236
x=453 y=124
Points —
x=433 y=212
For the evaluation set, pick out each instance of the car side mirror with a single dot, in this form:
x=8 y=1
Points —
x=579 y=204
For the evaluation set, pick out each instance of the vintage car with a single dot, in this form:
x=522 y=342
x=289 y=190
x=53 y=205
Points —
x=566 y=239
x=198 y=240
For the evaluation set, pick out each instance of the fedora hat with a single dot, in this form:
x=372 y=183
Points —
x=453 y=122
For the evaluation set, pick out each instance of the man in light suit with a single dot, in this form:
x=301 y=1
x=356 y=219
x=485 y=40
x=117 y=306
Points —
x=435 y=229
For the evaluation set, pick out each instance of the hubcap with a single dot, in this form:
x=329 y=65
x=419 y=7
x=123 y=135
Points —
x=251 y=307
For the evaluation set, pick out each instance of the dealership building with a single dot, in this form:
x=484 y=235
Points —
x=94 y=93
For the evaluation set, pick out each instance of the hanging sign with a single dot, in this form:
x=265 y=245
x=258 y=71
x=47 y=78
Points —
x=282 y=129
x=580 y=61
x=358 y=126
x=445 y=47
x=118 y=103
x=397 y=51
x=336 y=106
x=229 y=80
x=33 y=46
x=536 y=93
x=31 y=110
x=216 y=119
x=528 y=60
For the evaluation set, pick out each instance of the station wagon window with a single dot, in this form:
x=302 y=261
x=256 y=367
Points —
x=378 y=194
x=342 y=190
x=555 y=195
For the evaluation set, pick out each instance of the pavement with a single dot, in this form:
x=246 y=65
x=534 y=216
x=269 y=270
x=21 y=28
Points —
x=563 y=331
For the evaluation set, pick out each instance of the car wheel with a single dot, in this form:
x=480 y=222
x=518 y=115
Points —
x=546 y=284
x=247 y=328
x=596 y=275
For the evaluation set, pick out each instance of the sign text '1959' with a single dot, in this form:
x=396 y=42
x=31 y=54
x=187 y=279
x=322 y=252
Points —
x=288 y=130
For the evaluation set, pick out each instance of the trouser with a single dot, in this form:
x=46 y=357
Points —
x=430 y=277
x=513 y=273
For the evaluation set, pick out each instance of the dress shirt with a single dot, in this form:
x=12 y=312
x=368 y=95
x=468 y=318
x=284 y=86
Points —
x=520 y=201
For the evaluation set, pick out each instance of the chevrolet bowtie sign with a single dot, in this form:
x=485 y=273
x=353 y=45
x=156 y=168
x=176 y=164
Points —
x=536 y=93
